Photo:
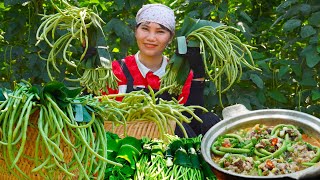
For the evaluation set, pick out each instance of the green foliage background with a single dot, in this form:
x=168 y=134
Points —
x=285 y=34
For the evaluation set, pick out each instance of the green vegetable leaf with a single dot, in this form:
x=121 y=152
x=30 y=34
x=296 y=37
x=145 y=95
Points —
x=297 y=69
x=193 y=158
x=314 y=19
x=312 y=55
x=308 y=82
x=112 y=141
x=312 y=59
x=175 y=145
x=315 y=94
x=112 y=145
x=103 y=53
x=283 y=70
x=305 y=9
x=175 y=63
x=261 y=96
x=206 y=169
x=182 y=158
x=307 y=31
x=257 y=55
x=130 y=150
x=183 y=72
x=60 y=93
x=284 y=5
x=245 y=16
x=127 y=171
x=14 y=2
x=257 y=80
x=122 y=30
x=4 y=94
x=291 y=24
x=190 y=24
x=277 y=96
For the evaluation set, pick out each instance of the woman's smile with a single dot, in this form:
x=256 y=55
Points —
x=148 y=45
x=152 y=39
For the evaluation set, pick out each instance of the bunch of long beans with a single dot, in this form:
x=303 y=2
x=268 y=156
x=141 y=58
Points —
x=58 y=132
x=179 y=158
x=14 y=117
x=152 y=164
x=139 y=105
x=97 y=80
x=186 y=162
x=223 y=55
x=74 y=23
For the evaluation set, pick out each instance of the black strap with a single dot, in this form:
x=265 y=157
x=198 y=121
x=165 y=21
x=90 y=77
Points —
x=127 y=74
x=164 y=95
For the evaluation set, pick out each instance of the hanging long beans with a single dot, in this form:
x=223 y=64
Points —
x=76 y=25
x=75 y=21
x=222 y=52
x=225 y=54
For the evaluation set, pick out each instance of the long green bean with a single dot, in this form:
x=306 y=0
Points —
x=140 y=105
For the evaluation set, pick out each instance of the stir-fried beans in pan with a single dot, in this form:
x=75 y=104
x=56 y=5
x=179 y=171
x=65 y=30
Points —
x=264 y=150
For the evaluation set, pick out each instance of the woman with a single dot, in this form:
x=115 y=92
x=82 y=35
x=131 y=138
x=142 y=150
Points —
x=154 y=31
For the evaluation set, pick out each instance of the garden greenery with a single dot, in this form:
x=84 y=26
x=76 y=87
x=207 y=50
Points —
x=284 y=33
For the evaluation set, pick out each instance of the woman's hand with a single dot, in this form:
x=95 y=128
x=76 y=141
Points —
x=92 y=51
x=195 y=60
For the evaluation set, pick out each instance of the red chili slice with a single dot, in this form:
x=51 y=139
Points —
x=274 y=141
x=226 y=144
x=269 y=164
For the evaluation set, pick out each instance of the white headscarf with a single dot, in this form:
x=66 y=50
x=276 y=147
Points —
x=157 y=13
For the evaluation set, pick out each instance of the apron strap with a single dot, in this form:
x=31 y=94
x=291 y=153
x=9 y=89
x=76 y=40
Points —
x=165 y=95
x=127 y=74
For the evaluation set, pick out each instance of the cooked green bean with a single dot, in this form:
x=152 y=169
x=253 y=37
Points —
x=259 y=153
x=263 y=151
x=235 y=136
x=317 y=156
x=277 y=153
x=234 y=150
x=266 y=147
x=280 y=126
x=217 y=152
x=308 y=164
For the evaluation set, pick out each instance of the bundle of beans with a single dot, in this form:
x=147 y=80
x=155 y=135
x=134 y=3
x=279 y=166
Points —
x=139 y=105
x=61 y=142
x=77 y=26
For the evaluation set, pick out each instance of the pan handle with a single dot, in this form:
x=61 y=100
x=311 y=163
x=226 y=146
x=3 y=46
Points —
x=234 y=110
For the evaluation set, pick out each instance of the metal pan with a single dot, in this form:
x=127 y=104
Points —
x=238 y=116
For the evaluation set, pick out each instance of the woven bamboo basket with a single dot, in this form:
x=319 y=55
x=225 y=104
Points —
x=139 y=129
x=26 y=164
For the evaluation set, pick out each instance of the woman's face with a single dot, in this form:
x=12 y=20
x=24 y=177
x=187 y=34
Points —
x=152 y=39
